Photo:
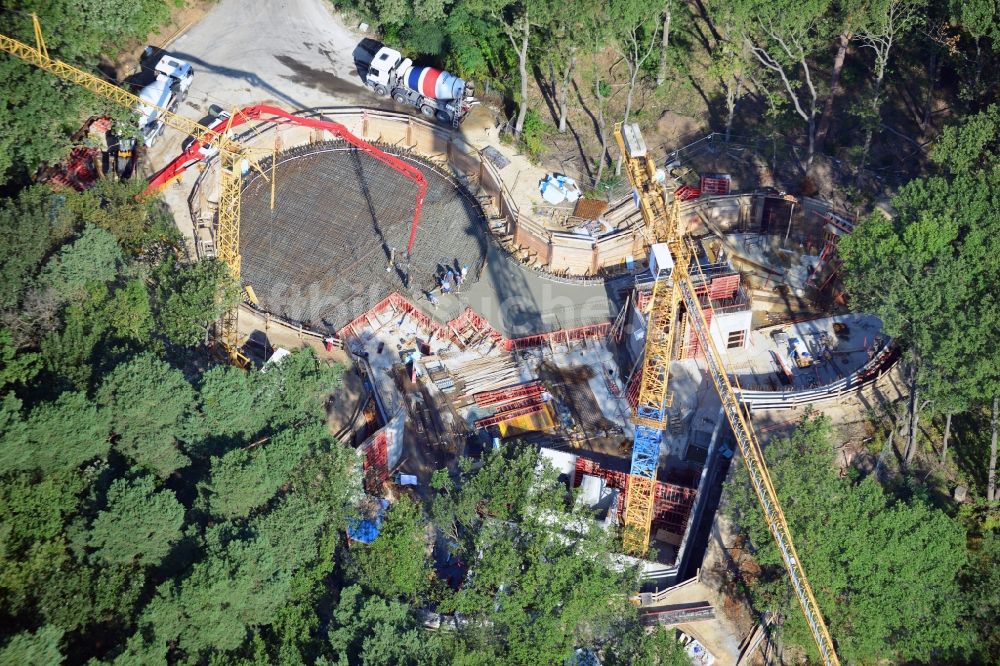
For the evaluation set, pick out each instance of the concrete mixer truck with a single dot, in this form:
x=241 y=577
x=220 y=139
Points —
x=437 y=94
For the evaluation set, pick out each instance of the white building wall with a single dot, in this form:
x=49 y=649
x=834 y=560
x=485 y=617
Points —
x=394 y=438
x=724 y=324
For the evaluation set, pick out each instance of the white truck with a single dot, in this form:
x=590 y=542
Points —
x=167 y=91
x=436 y=93
x=172 y=78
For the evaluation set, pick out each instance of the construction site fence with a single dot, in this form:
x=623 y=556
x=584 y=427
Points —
x=863 y=378
x=786 y=159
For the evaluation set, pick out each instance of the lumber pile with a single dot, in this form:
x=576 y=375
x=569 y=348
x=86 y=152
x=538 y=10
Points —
x=479 y=375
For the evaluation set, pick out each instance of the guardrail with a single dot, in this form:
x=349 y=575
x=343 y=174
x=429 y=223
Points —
x=866 y=376
x=671 y=616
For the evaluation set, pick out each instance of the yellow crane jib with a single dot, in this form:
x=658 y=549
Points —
x=664 y=219
x=231 y=154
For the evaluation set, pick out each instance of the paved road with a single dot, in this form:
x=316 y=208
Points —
x=299 y=54
x=292 y=52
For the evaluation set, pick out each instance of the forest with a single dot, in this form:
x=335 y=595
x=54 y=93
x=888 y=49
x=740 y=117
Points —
x=159 y=506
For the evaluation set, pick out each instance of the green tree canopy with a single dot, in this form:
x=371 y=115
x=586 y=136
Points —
x=140 y=524
x=31 y=224
x=93 y=258
x=55 y=436
x=884 y=571
x=152 y=407
x=541 y=581
x=192 y=297
x=397 y=564
x=245 y=579
x=378 y=632
x=40 y=648
x=245 y=478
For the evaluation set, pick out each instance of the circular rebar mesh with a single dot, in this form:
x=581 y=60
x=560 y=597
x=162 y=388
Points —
x=322 y=256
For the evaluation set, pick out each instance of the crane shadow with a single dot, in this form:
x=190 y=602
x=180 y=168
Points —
x=248 y=77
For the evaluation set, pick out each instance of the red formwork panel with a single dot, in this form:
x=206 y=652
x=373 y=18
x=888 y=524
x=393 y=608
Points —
x=632 y=390
x=672 y=503
x=724 y=286
x=642 y=299
x=401 y=304
x=672 y=506
x=376 y=461
x=509 y=393
x=716 y=183
x=693 y=347
x=565 y=335
x=469 y=318
x=687 y=193
x=615 y=479
x=354 y=328
x=528 y=407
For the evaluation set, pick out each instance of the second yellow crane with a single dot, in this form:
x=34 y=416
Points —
x=675 y=285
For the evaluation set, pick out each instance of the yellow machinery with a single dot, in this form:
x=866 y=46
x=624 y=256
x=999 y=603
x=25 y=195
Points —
x=650 y=414
x=231 y=156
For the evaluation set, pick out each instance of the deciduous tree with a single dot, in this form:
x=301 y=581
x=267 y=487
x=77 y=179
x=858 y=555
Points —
x=635 y=30
x=784 y=37
x=883 y=24
x=857 y=545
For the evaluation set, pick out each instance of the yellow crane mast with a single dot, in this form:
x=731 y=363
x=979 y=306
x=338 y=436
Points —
x=664 y=219
x=231 y=156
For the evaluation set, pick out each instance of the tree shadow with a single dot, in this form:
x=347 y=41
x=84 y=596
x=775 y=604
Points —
x=969 y=447
x=586 y=109
x=250 y=78
x=548 y=93
x=580 y=148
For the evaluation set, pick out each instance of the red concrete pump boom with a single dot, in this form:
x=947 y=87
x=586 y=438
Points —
x=276 y=115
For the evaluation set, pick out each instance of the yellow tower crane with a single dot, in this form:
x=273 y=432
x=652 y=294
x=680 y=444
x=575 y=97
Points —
x=231 y=156
x=683 y=273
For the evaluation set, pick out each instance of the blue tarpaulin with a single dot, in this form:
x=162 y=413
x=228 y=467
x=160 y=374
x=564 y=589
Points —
x=366 y=530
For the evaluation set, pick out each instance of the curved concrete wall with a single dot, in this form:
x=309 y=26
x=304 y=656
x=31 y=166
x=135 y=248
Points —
x=558 y=253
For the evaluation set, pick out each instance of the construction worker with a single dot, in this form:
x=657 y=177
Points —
x=433 y=299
